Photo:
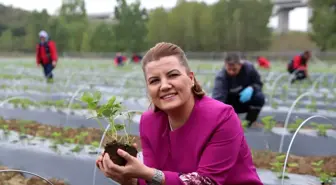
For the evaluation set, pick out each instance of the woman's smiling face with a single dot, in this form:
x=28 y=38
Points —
x=168 y=83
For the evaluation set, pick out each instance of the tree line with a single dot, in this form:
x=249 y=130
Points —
x=195 y=26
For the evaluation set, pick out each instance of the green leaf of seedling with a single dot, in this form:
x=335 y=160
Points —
x=292 y=165
x=280 y=157
x=87 y=98
x=97 y=96
x=111 y=101
x=119 y=127
x=95 y=144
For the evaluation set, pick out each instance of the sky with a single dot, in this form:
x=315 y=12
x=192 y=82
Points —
x=298 y=18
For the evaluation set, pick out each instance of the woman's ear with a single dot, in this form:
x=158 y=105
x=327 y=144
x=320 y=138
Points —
x=191 y=76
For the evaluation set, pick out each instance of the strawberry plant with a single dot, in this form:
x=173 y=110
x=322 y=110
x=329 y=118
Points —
x=109 y=111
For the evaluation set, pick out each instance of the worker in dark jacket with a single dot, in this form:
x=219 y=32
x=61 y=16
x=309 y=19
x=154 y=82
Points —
x=299 y=66
x=46 y=55
x=238 y=84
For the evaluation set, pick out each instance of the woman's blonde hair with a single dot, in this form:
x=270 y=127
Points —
x=164 y=49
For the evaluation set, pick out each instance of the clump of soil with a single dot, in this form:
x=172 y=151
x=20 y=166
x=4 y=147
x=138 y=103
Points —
x=17 y=178
x=112 y=147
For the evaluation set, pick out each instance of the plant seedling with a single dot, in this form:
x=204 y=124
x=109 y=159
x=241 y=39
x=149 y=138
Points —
x=292 y=127
x=58 y=137
x=325 y=179
x=268 y=122
x=244 y=124
x=274 y=105
x=322 y=128
x=312 y=106
x=5 y=129
x=277 y=166
x=110 y=111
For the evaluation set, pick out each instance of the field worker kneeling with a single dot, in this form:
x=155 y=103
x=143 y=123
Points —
x=238 y=84
x=299 y=66
x=46 y=55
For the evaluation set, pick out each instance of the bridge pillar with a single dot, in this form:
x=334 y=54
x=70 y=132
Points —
x=283 y=20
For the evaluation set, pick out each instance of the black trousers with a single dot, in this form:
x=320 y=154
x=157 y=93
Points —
x=47 y=69
x=252 y=107
x=299 y=75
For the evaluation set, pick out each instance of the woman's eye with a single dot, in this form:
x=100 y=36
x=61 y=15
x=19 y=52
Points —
x=173 y=75
x=153 y=81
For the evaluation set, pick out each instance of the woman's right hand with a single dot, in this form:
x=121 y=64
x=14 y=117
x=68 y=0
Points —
x=116 y=177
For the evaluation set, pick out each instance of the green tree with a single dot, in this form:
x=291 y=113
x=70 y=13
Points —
x=324 y=23
x=130 y=29
x=6 y=40
x=37 y=21
x=73 y=15
x=85 y=45
x=103 y=39
x=157 y=32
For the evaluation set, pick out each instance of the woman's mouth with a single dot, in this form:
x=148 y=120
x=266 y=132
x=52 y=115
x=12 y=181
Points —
x=168 y=96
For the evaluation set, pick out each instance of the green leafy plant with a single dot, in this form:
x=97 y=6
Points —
x=244 y=124
x=324 y=177
x=322 y=128
x=109 y=111
x=292 y=127
x=274 y=105
x=284 y=94
x=58 y=138
x=5 y=129
x=312 y=106
x=277 y=166
x=268 y=122
x=81 y=138
x=325 y=97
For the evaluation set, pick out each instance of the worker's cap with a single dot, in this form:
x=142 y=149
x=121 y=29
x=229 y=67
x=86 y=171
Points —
x=233 y=58
x=43 y=34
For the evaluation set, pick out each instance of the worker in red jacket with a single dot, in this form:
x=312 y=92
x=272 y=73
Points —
x=119 y=59
x=136 y=58
x=299 y=66
x=263 y=62
x=46 y=55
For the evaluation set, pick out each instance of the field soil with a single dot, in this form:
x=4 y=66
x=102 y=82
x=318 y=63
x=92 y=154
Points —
x=17 y=178
x=262 y=159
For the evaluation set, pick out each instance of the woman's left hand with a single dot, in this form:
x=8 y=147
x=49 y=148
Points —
x=133 y=169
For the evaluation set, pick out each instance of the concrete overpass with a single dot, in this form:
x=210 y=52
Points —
x=283 y=7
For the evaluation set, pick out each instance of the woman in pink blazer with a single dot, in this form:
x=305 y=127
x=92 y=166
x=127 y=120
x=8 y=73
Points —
x=188 y=138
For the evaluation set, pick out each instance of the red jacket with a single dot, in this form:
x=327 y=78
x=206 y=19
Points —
x=264 y=63
x=122 y=58
x=299 y=63
x=42 y=55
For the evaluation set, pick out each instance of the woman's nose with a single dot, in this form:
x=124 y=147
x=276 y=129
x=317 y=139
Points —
x=165 y=85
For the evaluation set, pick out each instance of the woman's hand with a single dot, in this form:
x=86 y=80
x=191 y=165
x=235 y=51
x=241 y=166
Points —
x=110 y=174
x=123 y=174
x=133 y=169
